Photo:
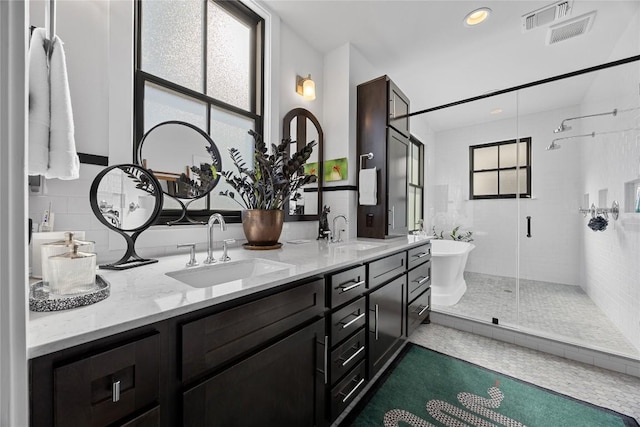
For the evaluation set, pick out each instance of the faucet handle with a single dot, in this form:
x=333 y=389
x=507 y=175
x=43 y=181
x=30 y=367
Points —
x=192 y=254
x=225 y=243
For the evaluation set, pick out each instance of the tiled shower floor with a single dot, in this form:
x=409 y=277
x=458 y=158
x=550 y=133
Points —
x=595 y=385
x=549 y=308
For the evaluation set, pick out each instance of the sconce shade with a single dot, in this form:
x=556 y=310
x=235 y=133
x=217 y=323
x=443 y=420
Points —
x=306 y=87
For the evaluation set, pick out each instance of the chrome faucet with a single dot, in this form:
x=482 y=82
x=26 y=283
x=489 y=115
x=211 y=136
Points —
x=336 y=230
x=212 y=220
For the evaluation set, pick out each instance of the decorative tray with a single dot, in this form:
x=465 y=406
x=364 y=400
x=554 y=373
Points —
x=42 y=300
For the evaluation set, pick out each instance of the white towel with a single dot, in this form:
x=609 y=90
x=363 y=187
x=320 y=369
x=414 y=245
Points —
x=368 y=186
x=38 y=104
x=63 y=158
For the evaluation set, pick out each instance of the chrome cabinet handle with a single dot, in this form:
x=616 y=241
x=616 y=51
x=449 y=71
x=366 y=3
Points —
x=353 y=356
x=421 y=255
x=115 y=391
x=351 y=322
x=423 y=310
x=326 y=358
x=353 y=391
x=376 y=317
x=344 y=288
x=420 y=281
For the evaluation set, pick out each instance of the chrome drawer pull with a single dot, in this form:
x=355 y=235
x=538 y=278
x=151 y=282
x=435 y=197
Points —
x=348 y=288
x=351 y=322
x=353 y=391
x=353 y=356
x=326 y=358
x=420 y=281
x=421 y=255
x=423 y=310
x=115 y=391
x=376 y=322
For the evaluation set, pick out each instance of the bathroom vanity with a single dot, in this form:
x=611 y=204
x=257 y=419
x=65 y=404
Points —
x=292 y=344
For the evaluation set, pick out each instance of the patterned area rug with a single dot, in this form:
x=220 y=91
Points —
x=424 y=388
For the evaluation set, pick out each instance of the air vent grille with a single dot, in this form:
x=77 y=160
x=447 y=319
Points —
x=570 y=29
x=546 y=15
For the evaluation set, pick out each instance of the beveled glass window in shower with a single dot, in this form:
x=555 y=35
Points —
x=500 y=170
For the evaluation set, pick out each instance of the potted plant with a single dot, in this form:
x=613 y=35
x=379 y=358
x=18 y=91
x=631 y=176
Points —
x=263 y=190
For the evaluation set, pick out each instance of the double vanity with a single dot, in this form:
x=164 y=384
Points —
x=288 y=337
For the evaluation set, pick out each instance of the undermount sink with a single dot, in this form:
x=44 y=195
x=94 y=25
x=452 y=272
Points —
x=224 y=272
x=359 y=246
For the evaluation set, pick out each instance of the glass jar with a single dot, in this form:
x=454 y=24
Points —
x=72 y=272
x=60 y=247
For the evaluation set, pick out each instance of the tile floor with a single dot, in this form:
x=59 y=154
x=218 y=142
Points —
x=598 y=386
x=550 y=308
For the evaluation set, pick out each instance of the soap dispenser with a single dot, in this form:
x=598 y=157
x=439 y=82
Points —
x=72 y=272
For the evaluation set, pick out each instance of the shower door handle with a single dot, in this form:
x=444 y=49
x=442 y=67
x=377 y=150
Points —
x=529 y=226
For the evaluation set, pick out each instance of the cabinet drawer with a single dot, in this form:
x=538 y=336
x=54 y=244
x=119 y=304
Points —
x=151 y=418
x=347 y=285
x=346 y=390
x=418 y=310
x=215 y=339
x=419 y=280
x=387 y=268
x=102 y=389
x=347 y=355
x=419 y=255
x=347 y=320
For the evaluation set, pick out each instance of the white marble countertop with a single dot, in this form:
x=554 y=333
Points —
x=144 y=295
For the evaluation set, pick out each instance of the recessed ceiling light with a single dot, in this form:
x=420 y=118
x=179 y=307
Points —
x=496 y=111
x=477 y=16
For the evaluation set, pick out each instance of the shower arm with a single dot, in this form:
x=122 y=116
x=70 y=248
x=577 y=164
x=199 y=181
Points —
x=592 y=135
x=613 y=113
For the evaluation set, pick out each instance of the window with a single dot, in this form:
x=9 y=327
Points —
x=500 y=169
x=416 y=174
x=200 y=61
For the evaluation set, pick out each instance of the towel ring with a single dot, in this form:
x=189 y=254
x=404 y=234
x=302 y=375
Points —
x=362 y=156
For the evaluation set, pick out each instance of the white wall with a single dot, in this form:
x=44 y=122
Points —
x=552 y=254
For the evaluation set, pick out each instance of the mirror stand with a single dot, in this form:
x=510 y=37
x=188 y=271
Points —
x=130 y=259
x=184 y=218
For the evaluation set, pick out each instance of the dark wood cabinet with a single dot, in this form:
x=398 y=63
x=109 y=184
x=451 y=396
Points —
x=282 y=385
x=418 y=286
x=386 y=322
x=382 y=128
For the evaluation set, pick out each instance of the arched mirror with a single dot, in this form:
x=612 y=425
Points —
x=185 y=161
x=302 y=127
x=127 y=199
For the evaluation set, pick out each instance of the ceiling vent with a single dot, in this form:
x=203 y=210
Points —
x=546 y=15
x=571 y=28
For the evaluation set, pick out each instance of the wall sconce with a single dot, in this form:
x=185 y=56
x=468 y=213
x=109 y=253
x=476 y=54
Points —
x=306 y=87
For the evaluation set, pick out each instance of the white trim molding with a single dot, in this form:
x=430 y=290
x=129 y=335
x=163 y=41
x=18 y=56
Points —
x=14 y=405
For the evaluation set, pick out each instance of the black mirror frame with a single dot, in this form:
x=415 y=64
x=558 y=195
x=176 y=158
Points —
x=300 y=139
x=130 y=259
x=184 y=218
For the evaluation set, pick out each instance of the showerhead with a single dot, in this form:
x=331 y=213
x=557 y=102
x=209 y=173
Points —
x=553 y=146
x=562 y=128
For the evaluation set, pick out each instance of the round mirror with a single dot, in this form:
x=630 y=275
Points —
x=127 y=199
x=302 y=127
x=184 y=159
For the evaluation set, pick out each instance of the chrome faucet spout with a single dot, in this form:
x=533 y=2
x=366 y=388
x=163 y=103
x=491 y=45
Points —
x=223 y=226
x=337 y=231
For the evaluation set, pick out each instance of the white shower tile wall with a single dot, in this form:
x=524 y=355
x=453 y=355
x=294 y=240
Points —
x=69 y=201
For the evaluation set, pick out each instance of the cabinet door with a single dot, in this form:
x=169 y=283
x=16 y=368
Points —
x=386 y=322
x=398 y=108
x=397 y=183
x=282 y=385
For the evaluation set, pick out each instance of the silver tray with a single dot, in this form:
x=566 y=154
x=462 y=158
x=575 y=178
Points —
x=41 y=300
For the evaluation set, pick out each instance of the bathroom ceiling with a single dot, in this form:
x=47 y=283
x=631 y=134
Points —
x=425 y=48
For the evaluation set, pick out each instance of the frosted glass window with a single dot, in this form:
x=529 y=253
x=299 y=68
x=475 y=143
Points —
x=161 y=104
x=415 y=164
x=230 y=130
x=172 y=41
x=228 y=58
x=509 y=153
x=485 y=183
x=509 y=181
x=485 y=158
x=412 y=209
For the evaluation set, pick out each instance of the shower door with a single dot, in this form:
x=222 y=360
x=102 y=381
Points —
x=578 y=267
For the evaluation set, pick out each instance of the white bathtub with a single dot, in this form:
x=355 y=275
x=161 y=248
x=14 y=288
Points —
x=448 y=259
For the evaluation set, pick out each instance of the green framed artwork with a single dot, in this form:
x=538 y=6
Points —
x=311 y=168
x=335 y=170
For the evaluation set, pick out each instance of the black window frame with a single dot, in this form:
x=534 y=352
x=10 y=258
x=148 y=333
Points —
x=417 y=143
x=472 y=171
x=141 y=78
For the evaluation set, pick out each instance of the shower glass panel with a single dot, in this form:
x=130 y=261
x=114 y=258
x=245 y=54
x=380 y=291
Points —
x=578 y=285
x=490 y=267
